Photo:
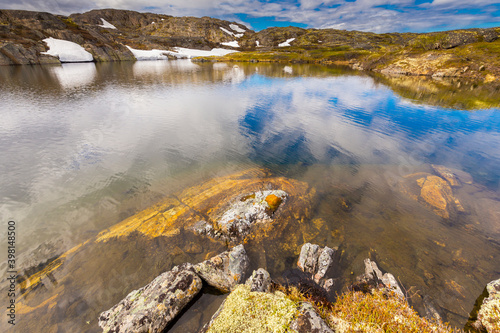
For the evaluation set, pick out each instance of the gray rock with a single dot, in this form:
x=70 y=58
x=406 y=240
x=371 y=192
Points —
x=488 y=316
x=373 y=278
x=151 y=308
x=225 y=270
x=430 y=309
x=259 y=281
x=308 y=258
x=317 y=262
x=308 y=321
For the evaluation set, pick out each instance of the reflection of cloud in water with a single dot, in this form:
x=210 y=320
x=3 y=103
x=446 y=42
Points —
x=158 y=67
x=75 y=75
x=234 y=75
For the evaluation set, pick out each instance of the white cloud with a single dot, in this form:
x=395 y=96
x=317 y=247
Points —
x=366 y=15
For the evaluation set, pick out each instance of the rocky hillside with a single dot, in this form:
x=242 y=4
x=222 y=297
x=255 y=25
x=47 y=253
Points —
x=106 y=33
x=472 y=53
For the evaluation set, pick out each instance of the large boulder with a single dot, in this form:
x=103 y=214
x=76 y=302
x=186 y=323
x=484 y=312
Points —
x=152 y=308
x=225 y=270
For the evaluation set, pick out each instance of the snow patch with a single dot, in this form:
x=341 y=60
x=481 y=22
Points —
x=288 y=70
x=257 y=43
x=231 y=33
x=232 y=44
x=178 y=52
x=286 y=43
x=67 y=51
x=106 y=24
x=236 y=28
x=227 y=31
x=149 y=54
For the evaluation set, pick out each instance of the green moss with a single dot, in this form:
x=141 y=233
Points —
x=245 y=311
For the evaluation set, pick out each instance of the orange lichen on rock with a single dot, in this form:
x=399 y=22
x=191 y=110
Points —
x=273 y=201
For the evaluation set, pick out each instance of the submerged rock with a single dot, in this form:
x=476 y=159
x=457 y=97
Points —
x=257 y=207
x=151 y=308
x=488 y=316
x=373 y=278
x=433 y=191
x=453 y=176
x=225 y=270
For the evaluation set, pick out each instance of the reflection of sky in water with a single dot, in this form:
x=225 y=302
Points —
x=59 y=145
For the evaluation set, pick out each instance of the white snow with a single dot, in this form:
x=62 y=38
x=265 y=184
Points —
x=288 y=70
x=286 y=43
x=178 y=52
x=231 y=33
x=149 y=54
x=236 y=28
x=67 y=51
x=106 y=24
x=190 y=53
x=232 y=44
x=227 y=31
x=257 y=43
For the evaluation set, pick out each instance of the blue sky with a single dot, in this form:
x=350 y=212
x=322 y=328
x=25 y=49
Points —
x=363 y=15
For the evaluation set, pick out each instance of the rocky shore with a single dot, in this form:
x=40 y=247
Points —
x=229 y=226
x=113 y=35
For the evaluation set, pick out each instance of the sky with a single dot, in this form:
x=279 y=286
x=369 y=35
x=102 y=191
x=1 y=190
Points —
x=364 y=15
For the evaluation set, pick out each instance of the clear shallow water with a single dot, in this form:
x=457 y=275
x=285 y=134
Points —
x=85 y=146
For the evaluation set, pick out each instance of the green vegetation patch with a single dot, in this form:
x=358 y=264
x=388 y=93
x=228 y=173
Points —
x=246 y=311
x=376 y=312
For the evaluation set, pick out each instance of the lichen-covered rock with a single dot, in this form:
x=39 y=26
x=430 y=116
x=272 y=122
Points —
x=225 y=270
x=308 y=321
x=252 y=208
x=259 y=281
x=373 y=278
x=317 y=262
x=152 y=307
x=488 y=316
x=246 y=311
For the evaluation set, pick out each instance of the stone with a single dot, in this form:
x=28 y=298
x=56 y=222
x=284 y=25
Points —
x=309 y=321
x=488 y=316
x=259 y=281
x=453 y=176
x=373 y=278
x=430 y=309
x=254 y=311
x=432 y=191
x=152 y=307
x=308 y=258
x=225 y=270
x=257 y=207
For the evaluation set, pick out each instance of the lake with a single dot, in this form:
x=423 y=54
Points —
x=85 y=146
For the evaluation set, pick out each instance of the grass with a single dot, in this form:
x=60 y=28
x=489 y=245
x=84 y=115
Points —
x=376 y=311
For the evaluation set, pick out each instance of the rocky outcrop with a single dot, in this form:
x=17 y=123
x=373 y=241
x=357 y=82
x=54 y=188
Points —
x=225 y=270
x=488 y=316
x=374 y=279
x=152 y=307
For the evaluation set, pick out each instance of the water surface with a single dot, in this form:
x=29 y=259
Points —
x=84 y=146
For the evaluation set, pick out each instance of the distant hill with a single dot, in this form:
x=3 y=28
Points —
x=106 y=33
